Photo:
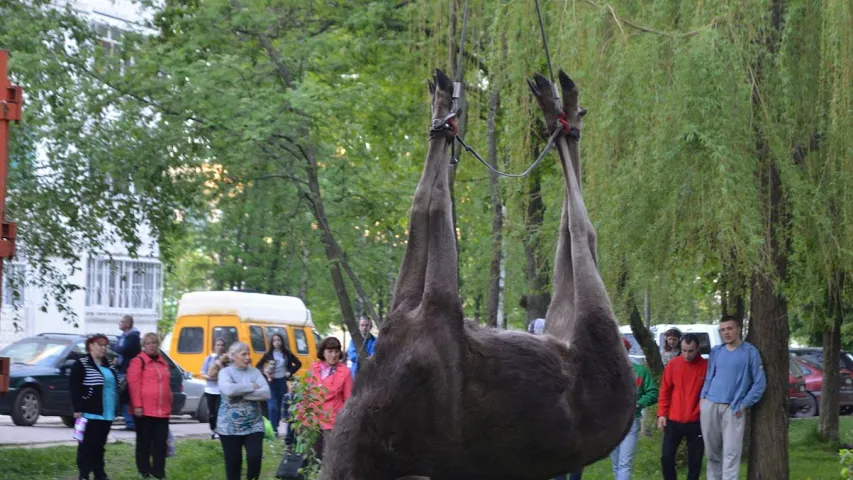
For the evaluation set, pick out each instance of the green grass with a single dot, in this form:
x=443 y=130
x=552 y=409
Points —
x=810 y=459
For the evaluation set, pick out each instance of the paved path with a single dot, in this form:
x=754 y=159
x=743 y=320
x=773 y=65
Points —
x=49 y=431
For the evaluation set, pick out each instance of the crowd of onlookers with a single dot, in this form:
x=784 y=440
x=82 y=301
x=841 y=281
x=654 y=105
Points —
x=137 y=381
x=239 y=396
x=700 y=401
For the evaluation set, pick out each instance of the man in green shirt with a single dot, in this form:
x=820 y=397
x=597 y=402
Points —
x=622 y=457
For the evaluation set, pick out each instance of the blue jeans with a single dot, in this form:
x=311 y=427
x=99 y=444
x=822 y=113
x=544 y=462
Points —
x=572 y=476
x=125 y=408
x=278 y=387
x=622 y=457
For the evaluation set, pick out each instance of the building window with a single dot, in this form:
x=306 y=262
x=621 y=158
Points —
x=109 y=39
x=123 y=284
x=110 y=45
x=13 y=284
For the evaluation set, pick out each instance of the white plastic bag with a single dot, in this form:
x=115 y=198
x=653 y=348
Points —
x=79 y=429
x=170 y=445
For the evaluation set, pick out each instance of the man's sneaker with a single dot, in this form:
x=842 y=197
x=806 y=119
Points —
x=214 y=436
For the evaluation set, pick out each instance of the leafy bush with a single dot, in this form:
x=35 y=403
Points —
x=305 y=396
x=846 y=464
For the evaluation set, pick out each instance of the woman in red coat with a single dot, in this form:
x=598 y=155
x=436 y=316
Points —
x=151 y=403
x=333 y=374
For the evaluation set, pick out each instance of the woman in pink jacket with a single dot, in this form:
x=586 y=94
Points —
x=151 y=403
x=334 y=375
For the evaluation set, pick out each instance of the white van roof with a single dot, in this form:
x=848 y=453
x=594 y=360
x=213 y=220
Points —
x=255 y=307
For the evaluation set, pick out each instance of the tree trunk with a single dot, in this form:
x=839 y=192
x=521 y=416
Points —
x=769 y=325
x=829 y=400
x=646 y=340
x=497 y=215
x=538 y=298
x=303 y=274
x=769 y=418
x=732 y=290
x=315 y=200
x=653 y=361
x=457 y=72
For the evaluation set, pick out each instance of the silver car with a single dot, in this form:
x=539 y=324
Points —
x=196 y=405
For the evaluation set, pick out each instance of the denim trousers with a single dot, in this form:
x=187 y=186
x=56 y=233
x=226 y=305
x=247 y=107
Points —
x=278 y=388
x=622 y=457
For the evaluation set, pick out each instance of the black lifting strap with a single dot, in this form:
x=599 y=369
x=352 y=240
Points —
x=448 y=124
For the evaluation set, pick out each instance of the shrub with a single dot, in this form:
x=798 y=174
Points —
x=304 y=396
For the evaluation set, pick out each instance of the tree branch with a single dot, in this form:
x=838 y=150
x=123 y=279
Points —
x=642 y=28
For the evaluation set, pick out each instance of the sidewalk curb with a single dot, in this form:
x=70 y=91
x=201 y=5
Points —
x=111 y=440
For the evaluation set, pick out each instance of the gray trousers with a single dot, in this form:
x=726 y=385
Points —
x=722 y=432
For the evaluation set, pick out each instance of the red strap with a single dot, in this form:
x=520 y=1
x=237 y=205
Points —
x=453 y=128
x=564 y=122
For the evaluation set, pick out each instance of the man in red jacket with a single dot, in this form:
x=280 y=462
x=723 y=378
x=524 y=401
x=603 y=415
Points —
x=678 y=408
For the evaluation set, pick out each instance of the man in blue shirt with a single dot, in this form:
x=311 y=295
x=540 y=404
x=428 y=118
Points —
x=369 y=345
x=734 y=382
x=127 y=347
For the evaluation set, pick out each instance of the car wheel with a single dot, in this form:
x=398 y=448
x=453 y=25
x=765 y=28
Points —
x=69 y=421
x=846 y=410
x=27 y=408
x=202 y=415
x=808 y=411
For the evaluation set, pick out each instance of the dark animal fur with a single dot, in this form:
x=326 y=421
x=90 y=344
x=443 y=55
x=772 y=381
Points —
x=449 y=400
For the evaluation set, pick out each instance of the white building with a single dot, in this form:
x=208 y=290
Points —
x=114 y=286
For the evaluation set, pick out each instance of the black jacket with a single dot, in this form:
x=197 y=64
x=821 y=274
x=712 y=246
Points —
x=87 y=385
x=291 y=363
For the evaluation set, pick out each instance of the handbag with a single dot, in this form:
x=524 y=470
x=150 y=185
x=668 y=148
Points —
x=289 y=466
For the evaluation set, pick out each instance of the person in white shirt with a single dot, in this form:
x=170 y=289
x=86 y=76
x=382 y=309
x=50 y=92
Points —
x=211 y=388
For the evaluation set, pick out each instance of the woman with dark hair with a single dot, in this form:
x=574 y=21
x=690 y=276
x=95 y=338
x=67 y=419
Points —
x=334 y=375
x=94 y=395
x=671 y=345
x=278 y=364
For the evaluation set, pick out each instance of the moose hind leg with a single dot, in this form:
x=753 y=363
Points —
x=412 y=275
x=560 y=316
x=590 y=294
x=441 y=270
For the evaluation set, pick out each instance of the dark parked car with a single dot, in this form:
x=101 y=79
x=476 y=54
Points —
x=39 y=374
x=813 y=376
x=801 y=403
x=816 y=353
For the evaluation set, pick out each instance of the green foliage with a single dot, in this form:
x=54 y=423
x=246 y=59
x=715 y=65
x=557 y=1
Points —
x=232 y=93
x=88 y=165
x=846 y=463
x=306 y=395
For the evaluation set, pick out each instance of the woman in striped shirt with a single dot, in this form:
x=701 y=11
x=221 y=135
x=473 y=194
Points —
x=94 y=395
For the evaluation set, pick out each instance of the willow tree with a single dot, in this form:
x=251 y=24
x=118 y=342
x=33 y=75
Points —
x=698 y=170
x=810 y=103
